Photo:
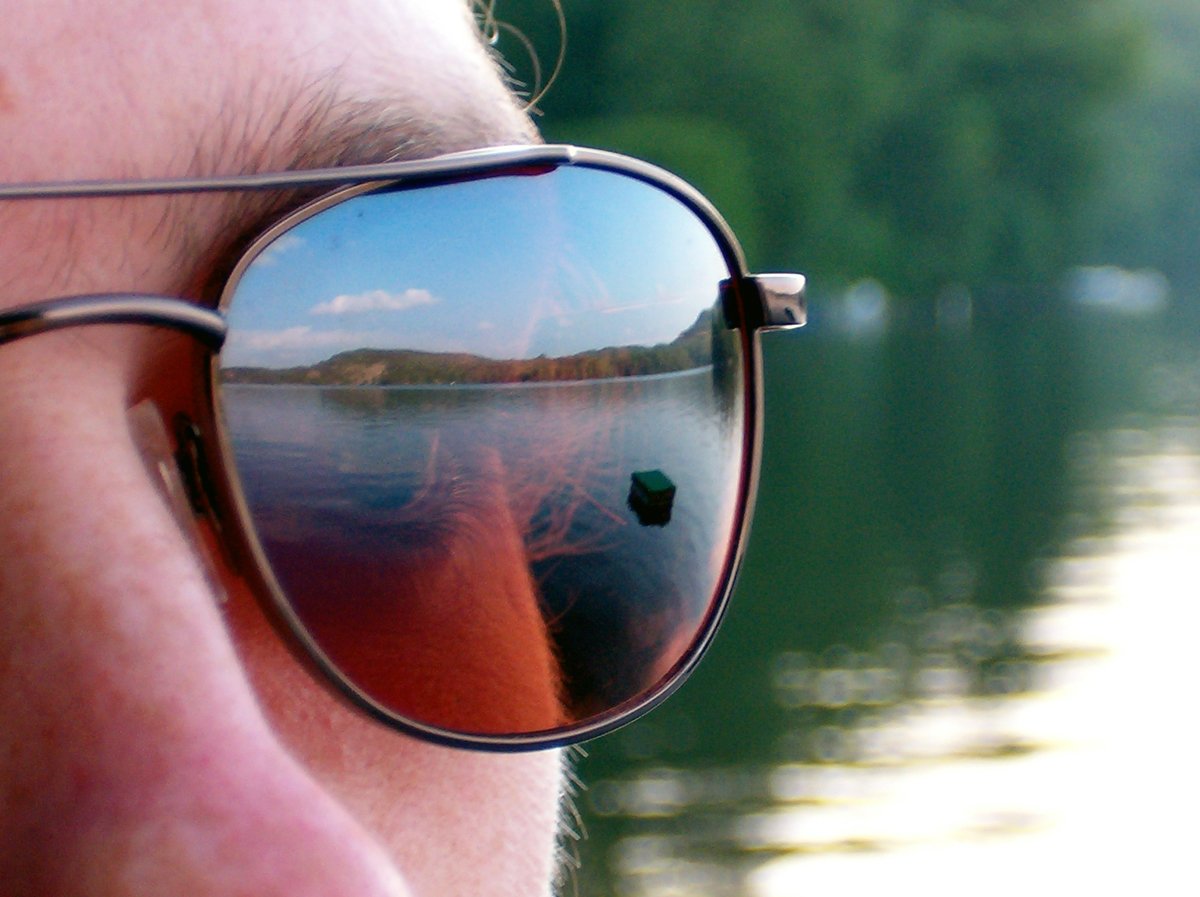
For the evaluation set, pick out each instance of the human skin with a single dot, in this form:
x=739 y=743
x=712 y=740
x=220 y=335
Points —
x=158 y=736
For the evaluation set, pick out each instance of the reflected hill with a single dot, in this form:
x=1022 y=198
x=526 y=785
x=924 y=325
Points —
x=404 y=367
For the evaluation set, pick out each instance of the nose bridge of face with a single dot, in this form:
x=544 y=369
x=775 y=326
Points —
x=181 y=477
x=131 y=744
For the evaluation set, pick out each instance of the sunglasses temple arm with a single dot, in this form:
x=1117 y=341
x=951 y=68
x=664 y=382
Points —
x=204 y=324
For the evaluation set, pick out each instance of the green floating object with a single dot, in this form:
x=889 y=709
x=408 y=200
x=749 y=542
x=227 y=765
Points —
x=651 y=496
x=653 y=487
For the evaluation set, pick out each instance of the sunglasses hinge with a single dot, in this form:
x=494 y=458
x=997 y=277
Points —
x=765 y=301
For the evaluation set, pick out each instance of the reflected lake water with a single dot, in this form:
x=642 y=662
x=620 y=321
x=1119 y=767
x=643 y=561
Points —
x=959 y=659
x=359 y=492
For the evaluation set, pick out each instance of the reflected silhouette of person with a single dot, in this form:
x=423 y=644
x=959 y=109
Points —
x=433 y=605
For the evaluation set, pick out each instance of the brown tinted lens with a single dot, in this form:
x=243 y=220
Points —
x=490 y=435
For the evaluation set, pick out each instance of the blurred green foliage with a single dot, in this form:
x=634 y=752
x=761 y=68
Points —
x=924 y=143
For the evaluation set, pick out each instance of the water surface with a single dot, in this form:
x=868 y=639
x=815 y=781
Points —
x=959 y=659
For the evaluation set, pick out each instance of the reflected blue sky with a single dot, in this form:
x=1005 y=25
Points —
x=554 y=263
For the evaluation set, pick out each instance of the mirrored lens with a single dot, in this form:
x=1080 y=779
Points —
x=490 y=435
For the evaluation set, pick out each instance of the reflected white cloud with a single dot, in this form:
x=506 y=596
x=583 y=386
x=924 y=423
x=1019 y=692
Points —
x=293 y=338
x=660 y=301
x=293 y=345
x=285 y=244
x=375 y=300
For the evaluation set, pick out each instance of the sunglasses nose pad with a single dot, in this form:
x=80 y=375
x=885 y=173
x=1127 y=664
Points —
x=175 y=476
x=191 y=461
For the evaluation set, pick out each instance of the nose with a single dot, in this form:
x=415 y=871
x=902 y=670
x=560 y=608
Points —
x=134 y=759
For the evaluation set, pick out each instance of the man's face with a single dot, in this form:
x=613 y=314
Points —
x=158 y=736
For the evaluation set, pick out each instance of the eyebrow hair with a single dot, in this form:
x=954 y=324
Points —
x=323 y=131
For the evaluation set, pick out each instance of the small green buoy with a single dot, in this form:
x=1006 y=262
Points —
x=651 y=496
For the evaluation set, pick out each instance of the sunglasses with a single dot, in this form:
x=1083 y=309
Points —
x=483 y=429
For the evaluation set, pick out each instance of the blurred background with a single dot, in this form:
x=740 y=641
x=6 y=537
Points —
x=961 y=652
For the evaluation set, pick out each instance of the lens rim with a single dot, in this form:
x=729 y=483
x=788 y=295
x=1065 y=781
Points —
x=252 y=561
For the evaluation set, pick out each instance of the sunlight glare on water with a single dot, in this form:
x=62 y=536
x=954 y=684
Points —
x=1090 y=782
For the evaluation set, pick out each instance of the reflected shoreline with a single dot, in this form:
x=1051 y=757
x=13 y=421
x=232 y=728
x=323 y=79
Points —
x=433 y=387
x=375 y=476
x=698 y=345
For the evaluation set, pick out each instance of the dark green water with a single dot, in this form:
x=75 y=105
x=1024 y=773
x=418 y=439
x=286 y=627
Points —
x=959 y=656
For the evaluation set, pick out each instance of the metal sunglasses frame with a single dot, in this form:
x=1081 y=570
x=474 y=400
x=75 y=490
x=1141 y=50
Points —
x=752 y=304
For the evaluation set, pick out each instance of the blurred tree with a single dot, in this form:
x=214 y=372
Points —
x=921 y=142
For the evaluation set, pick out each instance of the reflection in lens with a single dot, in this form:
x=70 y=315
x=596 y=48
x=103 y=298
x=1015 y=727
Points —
x=490 y=435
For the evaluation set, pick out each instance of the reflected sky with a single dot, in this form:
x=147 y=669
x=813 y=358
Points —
x=551 y=263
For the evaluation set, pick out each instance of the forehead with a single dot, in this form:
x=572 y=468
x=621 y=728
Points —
x=134 y=88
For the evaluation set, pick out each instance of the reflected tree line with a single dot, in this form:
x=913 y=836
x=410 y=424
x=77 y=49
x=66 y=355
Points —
x=700 y=344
